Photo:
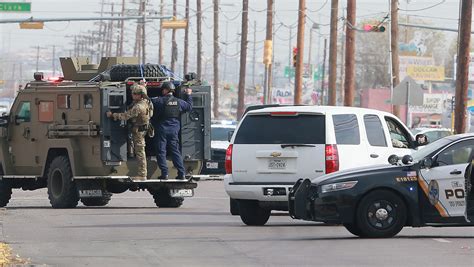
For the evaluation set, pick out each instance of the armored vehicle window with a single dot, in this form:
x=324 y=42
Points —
x=46 y=111
x=64 y=101
x=88 y=101
x=24 y=115
x=347 y=129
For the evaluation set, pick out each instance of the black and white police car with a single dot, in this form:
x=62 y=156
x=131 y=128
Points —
x=431 y=187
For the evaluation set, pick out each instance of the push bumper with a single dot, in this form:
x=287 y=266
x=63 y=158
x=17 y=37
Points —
x=306 y=203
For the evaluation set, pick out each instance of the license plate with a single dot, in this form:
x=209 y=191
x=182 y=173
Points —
x=277 y=164
x=212 y=165
x=90 y=193
x=181 y=192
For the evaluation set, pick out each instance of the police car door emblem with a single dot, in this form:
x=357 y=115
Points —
x=433 y=192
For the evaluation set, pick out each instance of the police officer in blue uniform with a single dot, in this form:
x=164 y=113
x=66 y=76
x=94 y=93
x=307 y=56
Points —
x=166 y=120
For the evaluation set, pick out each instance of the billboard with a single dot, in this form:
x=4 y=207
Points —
x=426 y=73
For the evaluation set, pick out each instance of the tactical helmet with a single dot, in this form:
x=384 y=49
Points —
x=169 y=86
x=138 y=89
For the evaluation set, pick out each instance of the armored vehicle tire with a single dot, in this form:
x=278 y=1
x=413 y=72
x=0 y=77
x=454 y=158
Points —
x=164 y=200
x=381 y=214
x=122 y=72
x=97 y=201
x=252 y=214
x=5 y=193
x=234 y=207
x=62 y=191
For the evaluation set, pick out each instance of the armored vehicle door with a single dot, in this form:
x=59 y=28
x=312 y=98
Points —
x=23 y=134
x=196 y=126
x=114 y=133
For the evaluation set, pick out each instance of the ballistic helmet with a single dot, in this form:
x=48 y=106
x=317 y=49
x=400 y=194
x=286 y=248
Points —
x=169 y=86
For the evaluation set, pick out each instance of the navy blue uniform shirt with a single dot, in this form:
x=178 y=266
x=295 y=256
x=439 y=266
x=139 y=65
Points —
x=169 y=124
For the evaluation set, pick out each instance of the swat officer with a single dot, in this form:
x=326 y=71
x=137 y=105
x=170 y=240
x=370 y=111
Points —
x=139 y=116
x=166 y=121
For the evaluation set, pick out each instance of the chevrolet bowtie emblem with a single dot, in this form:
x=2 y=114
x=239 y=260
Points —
x=275 y=154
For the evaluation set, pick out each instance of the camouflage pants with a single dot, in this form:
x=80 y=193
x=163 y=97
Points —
x=139 y=144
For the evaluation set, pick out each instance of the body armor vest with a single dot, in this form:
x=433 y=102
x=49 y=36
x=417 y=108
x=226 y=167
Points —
x=171 y=108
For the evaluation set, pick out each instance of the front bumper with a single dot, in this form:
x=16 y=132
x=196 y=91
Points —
x=306 y=203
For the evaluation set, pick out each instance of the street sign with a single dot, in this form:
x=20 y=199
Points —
x=15 y=7
x=32 y=25
x=289 y=72
x=408 y=92
x=174 y=24
x=426 y=73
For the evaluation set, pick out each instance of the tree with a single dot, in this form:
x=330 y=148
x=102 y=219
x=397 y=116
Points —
x=372 y=51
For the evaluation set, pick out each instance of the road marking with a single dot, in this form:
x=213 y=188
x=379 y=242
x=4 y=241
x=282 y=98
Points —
x=442 y=240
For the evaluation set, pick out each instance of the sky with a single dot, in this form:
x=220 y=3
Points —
x=17 y=44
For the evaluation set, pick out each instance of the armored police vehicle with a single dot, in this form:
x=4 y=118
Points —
x=431 y=187
x=57 y=135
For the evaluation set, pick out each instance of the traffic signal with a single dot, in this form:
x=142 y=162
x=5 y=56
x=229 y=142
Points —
x=267 y=52
x=295 y=54
x=374 y=28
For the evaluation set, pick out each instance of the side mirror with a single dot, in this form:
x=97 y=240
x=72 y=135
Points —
x=426 y=163
x=407 y=159
x=18 y=119
x=229 y=135
x=393 y=159
x=421 y=140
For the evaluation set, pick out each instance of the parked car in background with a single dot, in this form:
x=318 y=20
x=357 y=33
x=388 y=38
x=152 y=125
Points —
x=432 y=134
x=273 y=147
x=220 y=133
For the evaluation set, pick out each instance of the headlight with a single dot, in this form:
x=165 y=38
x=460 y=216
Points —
x=337 y=186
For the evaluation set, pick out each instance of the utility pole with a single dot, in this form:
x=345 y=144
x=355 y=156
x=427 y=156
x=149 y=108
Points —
x=395 y=68
x=174 y=45
x=299 y=55
x=186 y=39
x=37 y=57
x=110 y=32
x=160 y=46
x=349 y=80
x=290 y=41
x=243 y=58
x=268 y=39
x=216 y=59
x=199 y=38
x=333 y=53
x=122 y=25
x=138 y=33
x=143 y=35
x=462 y=68
x=341 y=69
x=254 y=54
x=54 y=61
x=224 y=74
x=324 y=71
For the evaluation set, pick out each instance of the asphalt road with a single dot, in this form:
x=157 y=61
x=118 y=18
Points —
x=131 y=231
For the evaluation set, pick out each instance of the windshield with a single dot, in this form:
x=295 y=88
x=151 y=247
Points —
x=430 y=148
x=220 y=134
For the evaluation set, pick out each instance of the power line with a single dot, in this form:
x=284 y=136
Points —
x=425 y=8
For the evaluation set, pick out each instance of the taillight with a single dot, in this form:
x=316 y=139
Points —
x=332 y=158
x=228 y=160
